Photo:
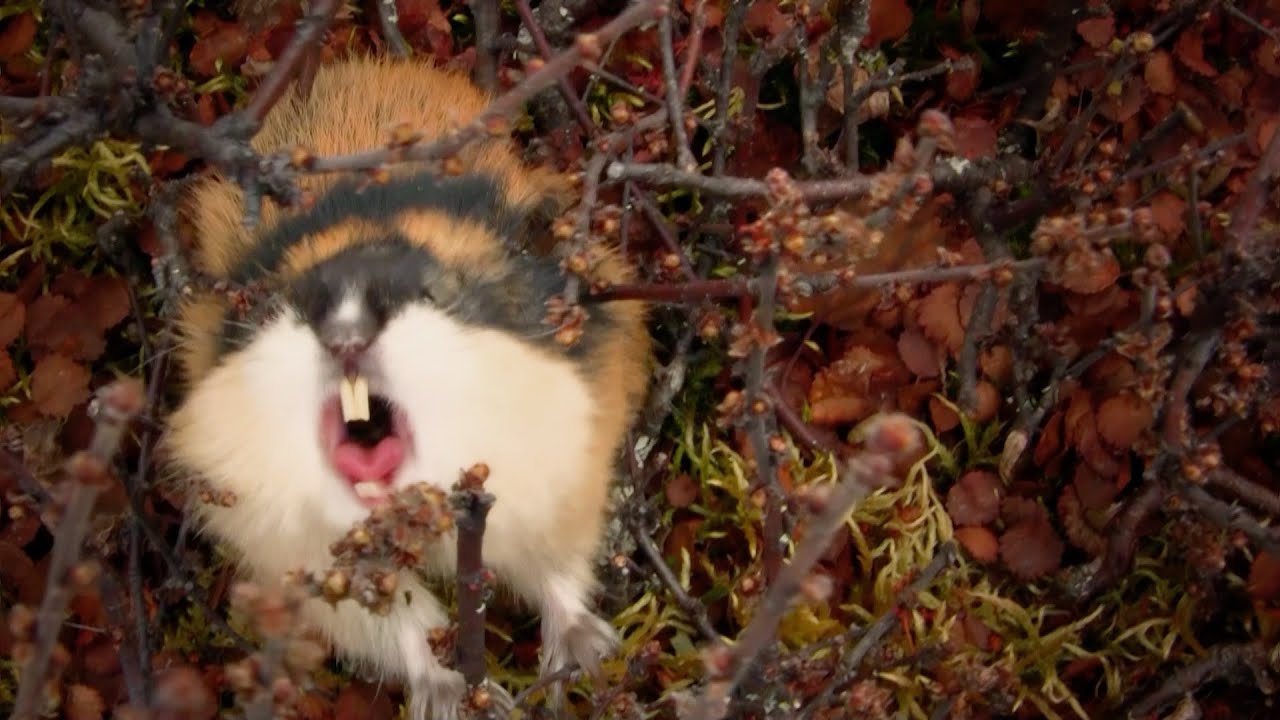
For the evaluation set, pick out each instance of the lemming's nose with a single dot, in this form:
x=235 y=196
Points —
x=346 y=348
x=347 y=334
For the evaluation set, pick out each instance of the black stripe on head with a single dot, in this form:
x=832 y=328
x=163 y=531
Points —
x=387 y=274
x=473 y=197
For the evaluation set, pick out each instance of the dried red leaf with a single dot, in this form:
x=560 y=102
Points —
x=975 y=137
x=1264 y=577
x=57 y=325
x=1123 y=418
x=1088 y=271
x=682 y=538
x=1079 y=531
x=962 y=82
x=425 y=21
x=16 y=35
x=1096 y=492
x=1050 y=445
x=181 y=692
x=360 y=701
x=58 y=384
x=17 y=572
x=1031 y=548
x=712 y=13
x=988 y=402
x=940 y=316
x=943 y=417
x=996 y=363
x=1091 y=448
x=84 y=703
x=1159 y=73
x=980 y=542
x=887 y=20
x=1266 y=57
x=221 y=41
x=975 y=498
x=1016 y=18
x=1097 y=32
x=1169 y=213
x=1189 y=49
x=107 y=298
x=839 y=410
x=24 y=523
x=921 y=357
x=682 y=491
x=13 y=317
x=767 y=18
x=8 y=374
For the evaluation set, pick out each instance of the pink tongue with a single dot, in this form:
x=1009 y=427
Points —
x=360 y=463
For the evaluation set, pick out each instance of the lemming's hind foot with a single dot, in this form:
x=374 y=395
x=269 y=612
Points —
x=586 y=642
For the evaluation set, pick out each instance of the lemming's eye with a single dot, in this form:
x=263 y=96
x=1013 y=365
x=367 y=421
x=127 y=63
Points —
x=427 y=292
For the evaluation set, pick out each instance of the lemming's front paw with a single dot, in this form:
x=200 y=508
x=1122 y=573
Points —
x=438 y=696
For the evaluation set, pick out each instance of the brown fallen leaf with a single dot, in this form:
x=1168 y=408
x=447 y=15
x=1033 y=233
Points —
x=975 y=498
x=8 y=374
x=887 y=20
x=1189 y=49
x=975 y=137
x=1031 y=548
x=58 y=384
x=84 y=703
x=13 y=317
x=940 y=316
x=979 y=541
x=16 y=35
x=1088 y=271
x=1122 y=419
x=1159 y=73
x=1097 y=32
x=921 y=357
x=961 y=83
x=681 y=490
x=1264 y=577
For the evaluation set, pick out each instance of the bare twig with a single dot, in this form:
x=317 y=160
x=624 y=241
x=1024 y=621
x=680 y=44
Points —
x=544 y=49
x=733 y=663
x=728 y=55
x=89 y=471
x=471 y=506
x=945 y=177
x=310 y=30
x=1246 y=490
x=389 y=22
x=1231 y=517
x=694 y=610
x=699 y=291
x=485 y=13
x=870 y=638
x=852 y=24
x=675 y=104
x=1244 y=661
x=503 y=107
x=761 y=421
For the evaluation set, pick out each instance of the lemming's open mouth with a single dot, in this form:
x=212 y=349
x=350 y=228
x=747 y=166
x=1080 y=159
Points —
x=365 y=438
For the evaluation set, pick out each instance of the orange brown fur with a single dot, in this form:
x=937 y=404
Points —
x=346 y=103
x=549 y=420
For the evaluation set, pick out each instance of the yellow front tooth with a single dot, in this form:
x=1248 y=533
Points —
x=360 y=394
x=346 y=395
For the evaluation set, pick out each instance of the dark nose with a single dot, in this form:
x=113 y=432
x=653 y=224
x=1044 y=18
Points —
x=347 y=340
